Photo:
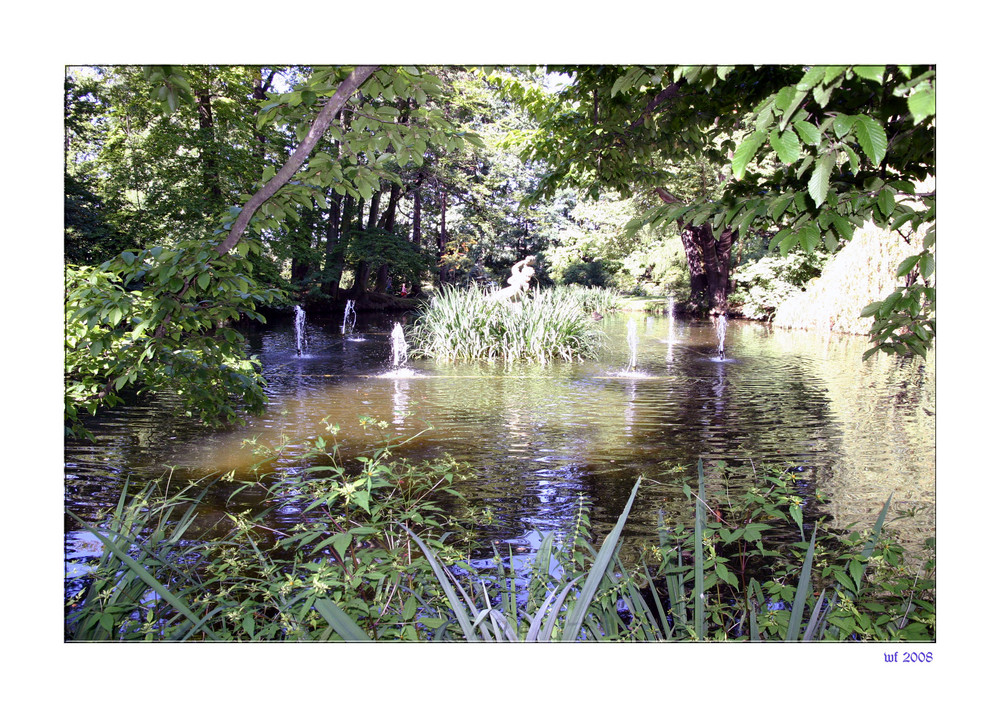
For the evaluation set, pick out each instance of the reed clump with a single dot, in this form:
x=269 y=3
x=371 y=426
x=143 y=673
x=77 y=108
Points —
x=543 y=325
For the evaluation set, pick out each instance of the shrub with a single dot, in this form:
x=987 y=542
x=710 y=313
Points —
x=761 y=286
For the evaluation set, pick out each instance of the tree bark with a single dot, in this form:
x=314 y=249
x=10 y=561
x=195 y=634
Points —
x=442 y=240
x=416 y=213
x=709 y=266
x=209 y=150
x=373 y=211
x=708 y=261
x=333 y=264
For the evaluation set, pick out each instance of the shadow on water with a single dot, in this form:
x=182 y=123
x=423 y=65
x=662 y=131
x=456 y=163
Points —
x=541 y=440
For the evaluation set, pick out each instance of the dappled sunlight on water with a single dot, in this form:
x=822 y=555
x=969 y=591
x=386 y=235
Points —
x=540 y=438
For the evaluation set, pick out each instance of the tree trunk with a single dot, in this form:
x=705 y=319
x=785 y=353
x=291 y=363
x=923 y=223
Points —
x=442 y=241
x=709 y=265
x=209 y=150
x=708 y=261
x=359 y=289
x=416 y=236
x=333 y=264
x=373 y=211
x=387 y=223
x=416 y=213
x=260 y=89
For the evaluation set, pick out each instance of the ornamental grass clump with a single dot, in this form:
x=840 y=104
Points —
x=471 y=325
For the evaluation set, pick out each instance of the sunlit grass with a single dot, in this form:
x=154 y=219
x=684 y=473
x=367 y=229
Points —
x=544 y=325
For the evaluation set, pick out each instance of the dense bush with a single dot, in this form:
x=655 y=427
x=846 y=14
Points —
x=761 y=286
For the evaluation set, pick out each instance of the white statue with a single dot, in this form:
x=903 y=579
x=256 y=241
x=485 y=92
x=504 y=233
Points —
x=520 y=279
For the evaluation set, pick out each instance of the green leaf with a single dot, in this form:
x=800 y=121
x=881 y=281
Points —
x=203 y=280
x=409 y=608
x=871 y=310
x=809 y=133
x=745 y=152
x=778 y=206
x=786 y=145
x=341 y=542
x=926 y=265
x=872 y=73
x=871 y=137
x=921 y=102
x=843 y=226
x=886 y=202
x=809 y=236
x=784 y=240
x=852 y=158
x=801 y=593
x=842 y=124
x=340 y=622
x=819 y=182
x=907 y=265
x=812 y=77
x=726 y=576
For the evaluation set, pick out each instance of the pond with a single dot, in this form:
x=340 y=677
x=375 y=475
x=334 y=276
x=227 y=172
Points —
x=540 y=438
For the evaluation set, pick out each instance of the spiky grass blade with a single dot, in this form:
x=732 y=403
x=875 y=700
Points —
x=448 y=584
x=699 y=557
x=340 y=622
x=144 y=575
x=876 y=530
x=574 y=622
x=818 y=615
x=801 y=593
x=536 y=632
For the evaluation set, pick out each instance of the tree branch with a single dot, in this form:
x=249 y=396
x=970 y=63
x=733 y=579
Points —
x=323 y=121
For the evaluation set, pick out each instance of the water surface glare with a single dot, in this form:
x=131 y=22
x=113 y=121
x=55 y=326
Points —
x=538 y=438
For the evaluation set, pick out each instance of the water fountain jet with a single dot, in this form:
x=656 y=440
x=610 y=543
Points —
x=350 y=317
x=300 y=330
x=399 y=355
x=720 y=332
x=633 y=345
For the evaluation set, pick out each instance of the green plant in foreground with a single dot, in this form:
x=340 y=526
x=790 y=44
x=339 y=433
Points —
x=371 y=560
x=251 y=577
x=704 y=599
x=751 y=581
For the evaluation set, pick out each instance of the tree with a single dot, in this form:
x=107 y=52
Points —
x=805 y=154
x=157 y=318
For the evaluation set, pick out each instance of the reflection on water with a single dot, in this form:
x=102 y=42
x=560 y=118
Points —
x=540 y=438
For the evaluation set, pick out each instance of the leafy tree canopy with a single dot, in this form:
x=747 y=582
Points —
x=807 y=154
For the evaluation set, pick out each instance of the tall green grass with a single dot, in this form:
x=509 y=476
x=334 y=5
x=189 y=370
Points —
x=471 y=325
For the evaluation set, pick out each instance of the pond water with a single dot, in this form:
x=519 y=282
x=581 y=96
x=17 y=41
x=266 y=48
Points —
x=538 y=438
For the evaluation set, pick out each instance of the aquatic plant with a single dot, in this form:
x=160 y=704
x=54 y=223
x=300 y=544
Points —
x=867 y=593
x=468 y=325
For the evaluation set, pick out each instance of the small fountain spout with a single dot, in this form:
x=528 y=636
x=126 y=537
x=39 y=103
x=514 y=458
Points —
x=633 y=345
x=399 y=348
x=350 y=317
x=300 y=330
x=720 y=332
